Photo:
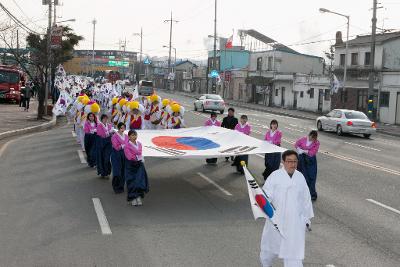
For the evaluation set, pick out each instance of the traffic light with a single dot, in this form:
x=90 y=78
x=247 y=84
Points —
x=370 y=105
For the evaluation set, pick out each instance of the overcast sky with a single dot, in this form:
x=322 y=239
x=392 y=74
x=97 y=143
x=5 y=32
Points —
x=287 y=21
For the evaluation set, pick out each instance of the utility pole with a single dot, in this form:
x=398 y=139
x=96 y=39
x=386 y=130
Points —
x=170 y=41
x=46 y=94
x=17 y=42
x=55 y=12
x=94 y=21
x=214 y=82
x=372 y=63
x=123 y=58
x=141 y=51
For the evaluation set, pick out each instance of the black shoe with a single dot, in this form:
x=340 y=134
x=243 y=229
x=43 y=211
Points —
x=313 y=198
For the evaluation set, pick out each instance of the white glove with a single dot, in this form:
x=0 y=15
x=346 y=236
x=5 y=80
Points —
x=300 y=151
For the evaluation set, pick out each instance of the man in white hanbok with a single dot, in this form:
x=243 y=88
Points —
x=289 y=193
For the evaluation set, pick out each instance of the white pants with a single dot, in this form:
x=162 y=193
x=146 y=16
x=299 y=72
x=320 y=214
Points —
x=267 y=258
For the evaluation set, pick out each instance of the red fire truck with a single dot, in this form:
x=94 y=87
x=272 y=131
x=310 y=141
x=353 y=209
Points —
x=12 y=80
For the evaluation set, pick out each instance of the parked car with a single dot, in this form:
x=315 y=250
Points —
x=346 y=121
x=209 y=102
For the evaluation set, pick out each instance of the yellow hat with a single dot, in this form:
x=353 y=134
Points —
x=85 y=100
x=154 y=98
x=133 y=105
x=114 y=100
x=165 y=102
x=122 y=102
x=176 y=108
x=95 y=108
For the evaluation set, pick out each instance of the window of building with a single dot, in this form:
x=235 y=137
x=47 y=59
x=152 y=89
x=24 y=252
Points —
x=343 y=96
x=276 y=92
x=384 y=99
x=270 y=62
x=259 y=63
x=354 y=58
x=311 y=92
x=301 y=94
x=327 y=95
x=342 y=59
x=362 y=96
x=367 y=59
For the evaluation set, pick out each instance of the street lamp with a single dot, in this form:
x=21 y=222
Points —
x=166 y=46
x=324 y=10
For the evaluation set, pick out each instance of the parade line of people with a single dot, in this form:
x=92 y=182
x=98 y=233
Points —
x=290 y=176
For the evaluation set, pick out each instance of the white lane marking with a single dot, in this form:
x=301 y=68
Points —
x=288 y=141
x=383 y=205
x=293 y=129
x=101 y=216
x=366 y=147
x=73 y=134
x=257 y=132
x=214 y=184
x=329 y=265
x=81 y=156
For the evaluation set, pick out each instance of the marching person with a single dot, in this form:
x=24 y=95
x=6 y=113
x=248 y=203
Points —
x=135 y=173
x=118 y=159
x=175 y=121
x=307 y=147
x=90 y=130
x=230 y=122
x=290 y=196
x=134 y=120
x=104 y=147
x=212 y=121
x=272 y=160
x=152 y=114
x=244 y=127
x=164 y=114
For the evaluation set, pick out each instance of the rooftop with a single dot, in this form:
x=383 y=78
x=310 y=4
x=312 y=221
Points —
x=366 y=39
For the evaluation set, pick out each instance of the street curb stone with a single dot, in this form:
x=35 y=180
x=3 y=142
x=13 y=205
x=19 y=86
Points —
x=36 y=128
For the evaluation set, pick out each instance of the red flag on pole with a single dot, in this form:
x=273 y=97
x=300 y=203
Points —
x=229 y=43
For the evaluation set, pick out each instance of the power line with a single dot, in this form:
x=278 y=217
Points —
x=17 y=21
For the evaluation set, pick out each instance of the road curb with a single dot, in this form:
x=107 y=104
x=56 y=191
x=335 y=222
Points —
x=36 y=128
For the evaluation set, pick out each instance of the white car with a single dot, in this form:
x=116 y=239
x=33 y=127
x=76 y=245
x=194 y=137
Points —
x=209 y=102
x=347 y=121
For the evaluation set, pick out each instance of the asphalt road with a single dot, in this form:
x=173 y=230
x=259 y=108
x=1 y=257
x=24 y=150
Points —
x=48 y=216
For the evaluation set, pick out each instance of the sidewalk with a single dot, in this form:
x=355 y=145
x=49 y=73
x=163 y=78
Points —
x=12 y=117
x=389 y=129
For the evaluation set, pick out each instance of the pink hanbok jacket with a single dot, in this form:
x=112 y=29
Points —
x=312 y=148
x=118 y=142
x=104 y=131
x=132 y=151
x=210 y=122
x=276 y=139
x=246 y=128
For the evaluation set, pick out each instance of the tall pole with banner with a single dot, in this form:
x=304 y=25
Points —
x=48 y=56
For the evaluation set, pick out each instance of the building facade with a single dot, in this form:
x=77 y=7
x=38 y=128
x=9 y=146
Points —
x=386 y=68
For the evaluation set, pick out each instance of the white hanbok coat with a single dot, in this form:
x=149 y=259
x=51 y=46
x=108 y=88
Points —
x=291 y=198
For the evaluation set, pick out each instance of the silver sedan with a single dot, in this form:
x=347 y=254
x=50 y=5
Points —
x=209 y=102
x=346 y=121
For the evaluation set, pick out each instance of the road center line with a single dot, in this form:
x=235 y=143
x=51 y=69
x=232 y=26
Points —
x=214 y=184
x=292 y=129
x=101 y=216
x=73 y=134
x=81 y=156
x=366 y=147
x=383 y=205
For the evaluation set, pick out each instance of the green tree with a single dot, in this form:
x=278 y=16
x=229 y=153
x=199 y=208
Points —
x=40 y=59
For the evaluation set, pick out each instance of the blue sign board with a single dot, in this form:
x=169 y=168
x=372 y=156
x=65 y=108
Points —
x=147 y=61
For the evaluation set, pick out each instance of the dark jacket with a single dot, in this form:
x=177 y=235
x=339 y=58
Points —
x=229 y=122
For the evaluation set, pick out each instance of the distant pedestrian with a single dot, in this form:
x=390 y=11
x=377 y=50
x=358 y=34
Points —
x=307 y=148
x=104 y=147
x=230 y=122
x=272 y=160
x=26 y=97
x=244 y=127
x=118 y=159
x=90 y=129
x=212 y=121
x=135 y=172
x=289 y=194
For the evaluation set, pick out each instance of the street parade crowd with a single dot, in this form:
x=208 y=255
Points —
x=103 y=114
